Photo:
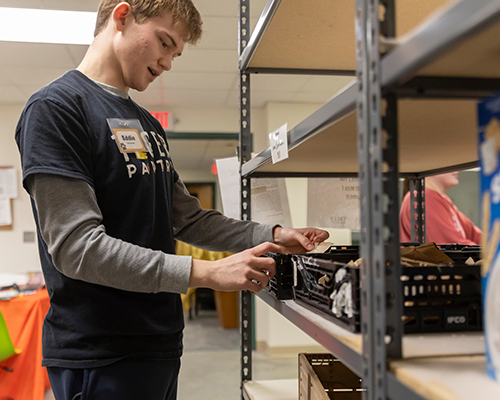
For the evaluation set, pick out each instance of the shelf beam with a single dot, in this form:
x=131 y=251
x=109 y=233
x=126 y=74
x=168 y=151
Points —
x=461 y=21
x=250 y=45
x=297 y=71
x=338 y=348
x=441 y=87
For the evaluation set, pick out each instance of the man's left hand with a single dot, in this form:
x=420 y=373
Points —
x=298 y=240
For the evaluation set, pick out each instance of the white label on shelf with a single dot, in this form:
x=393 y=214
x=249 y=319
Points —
x=279 y=144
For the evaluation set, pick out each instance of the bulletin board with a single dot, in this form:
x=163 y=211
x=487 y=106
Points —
x=10 y=226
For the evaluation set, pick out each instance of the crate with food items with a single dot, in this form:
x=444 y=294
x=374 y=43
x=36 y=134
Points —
x=441 y=285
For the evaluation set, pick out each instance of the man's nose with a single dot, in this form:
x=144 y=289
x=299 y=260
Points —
x=166 y=63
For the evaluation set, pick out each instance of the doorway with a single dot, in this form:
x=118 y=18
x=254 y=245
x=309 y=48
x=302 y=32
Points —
x=204 y=192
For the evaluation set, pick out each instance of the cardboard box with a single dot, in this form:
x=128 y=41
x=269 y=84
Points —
x=489 y=148
x=323 y=377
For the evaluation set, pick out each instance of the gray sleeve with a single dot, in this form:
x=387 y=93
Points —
x=209 y=229
x=70 y=223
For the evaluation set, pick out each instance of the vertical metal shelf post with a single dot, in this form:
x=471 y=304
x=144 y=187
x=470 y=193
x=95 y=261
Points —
x=376 y=200
x=393 y=287
x=417 y=209
x=392 y=262
x=366 y=247
x=378 y=171
x=245 y=147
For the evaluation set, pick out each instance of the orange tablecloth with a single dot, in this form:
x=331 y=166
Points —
x=24 y=317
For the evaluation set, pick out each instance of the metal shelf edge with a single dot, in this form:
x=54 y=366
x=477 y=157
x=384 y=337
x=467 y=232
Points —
x=258 y=32
x=334 y=110
x=348 y=356
x=429 y=42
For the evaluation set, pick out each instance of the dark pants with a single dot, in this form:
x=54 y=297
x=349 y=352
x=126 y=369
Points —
x=122 y=380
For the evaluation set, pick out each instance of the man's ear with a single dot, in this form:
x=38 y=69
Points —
x=120 y=14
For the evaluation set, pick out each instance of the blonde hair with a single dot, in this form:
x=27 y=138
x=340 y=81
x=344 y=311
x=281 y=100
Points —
x=183 y=12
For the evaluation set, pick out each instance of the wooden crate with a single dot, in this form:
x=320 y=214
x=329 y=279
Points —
x=323 y=377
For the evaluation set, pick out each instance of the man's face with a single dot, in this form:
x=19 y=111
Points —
x=146 y=50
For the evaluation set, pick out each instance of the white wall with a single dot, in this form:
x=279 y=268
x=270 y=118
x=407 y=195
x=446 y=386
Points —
x=16 y=256
x=274 y=333
x=215 y=120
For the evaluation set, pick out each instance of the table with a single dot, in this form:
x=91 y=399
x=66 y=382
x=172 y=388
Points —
x=24 y=318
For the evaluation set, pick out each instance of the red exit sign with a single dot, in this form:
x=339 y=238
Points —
x=161 y=116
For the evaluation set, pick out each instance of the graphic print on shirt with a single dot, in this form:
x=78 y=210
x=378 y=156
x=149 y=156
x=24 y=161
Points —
x=130 y=138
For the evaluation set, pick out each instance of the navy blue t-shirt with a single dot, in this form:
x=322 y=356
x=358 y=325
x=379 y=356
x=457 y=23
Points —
x=76 y=129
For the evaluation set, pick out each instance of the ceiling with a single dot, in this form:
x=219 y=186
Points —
x=206 y=76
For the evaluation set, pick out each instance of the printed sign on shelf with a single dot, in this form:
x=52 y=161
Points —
x=279 y=144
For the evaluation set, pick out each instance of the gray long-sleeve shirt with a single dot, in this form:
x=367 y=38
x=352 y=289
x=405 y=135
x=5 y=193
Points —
x=71 y=225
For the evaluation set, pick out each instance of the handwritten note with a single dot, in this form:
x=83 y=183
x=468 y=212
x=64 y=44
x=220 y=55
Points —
x=279 y=144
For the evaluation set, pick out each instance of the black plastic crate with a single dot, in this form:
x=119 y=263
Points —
x=329 y=286
x=280 y=286
x=460 y=253
x=443 y=298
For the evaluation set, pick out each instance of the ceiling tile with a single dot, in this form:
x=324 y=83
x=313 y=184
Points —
x=71 y=5
x=28 y=90
x=219 y=33
x=233 y=100
x=150 y=97
x=198 y=80
x=195 y=98
x=77 y=52
x=20 y=3
x=197 y=60
x=36 y=55
x=227 y=8
x=259 y=99
x=4 y=79
x=28 y=76
x=11 y=94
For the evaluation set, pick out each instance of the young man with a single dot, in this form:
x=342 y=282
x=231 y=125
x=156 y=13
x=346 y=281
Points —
x=108 y=205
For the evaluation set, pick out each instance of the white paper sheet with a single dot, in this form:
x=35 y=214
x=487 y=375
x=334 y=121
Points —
x=269 y=197
x=228 y=174
x=8 y=183
x=278 y=140
x=5 y=212
x=333 y=203
x=270 y=202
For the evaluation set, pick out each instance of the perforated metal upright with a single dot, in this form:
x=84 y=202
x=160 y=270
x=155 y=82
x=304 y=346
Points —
x=381 y=298
x=417 y=209
x=244 y=154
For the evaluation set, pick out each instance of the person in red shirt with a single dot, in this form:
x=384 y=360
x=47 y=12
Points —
x=444 y=223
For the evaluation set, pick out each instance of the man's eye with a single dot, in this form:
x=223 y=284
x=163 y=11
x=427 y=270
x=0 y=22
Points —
x=163 y=43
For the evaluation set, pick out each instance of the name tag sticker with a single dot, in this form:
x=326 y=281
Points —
x=127 y=134
x=279 y=144
x=129 y=140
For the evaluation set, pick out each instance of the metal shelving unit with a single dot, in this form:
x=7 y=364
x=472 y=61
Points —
x=410 y=112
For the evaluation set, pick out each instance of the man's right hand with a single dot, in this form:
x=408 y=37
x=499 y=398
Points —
x=246 y=270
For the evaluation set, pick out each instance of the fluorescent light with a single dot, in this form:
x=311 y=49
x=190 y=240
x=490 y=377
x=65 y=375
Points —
x=46 y=26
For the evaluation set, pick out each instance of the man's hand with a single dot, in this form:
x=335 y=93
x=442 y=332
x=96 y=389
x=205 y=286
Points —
x=298 y=240
x=241 y=271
